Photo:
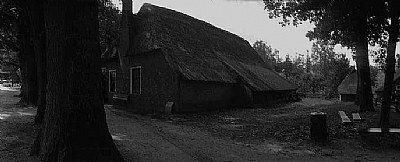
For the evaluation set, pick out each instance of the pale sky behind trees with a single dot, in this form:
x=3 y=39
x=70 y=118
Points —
x=245 y=18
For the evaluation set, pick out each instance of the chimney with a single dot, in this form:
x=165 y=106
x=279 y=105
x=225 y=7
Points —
x=125 y=33
x=126 y=7
x=126 y=13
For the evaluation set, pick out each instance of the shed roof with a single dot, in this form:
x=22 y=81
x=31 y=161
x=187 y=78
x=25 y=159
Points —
x=349 y=84
x=201 y=51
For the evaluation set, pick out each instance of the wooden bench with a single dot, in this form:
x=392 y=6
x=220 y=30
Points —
x=356 y=117
x=383 y=130
x=344 y=118
x=121 y=96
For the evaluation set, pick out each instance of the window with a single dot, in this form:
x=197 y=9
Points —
x=104 y=71
x=136 y=80
x=112 y=80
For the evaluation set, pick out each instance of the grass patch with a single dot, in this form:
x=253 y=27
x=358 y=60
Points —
x=291 y=124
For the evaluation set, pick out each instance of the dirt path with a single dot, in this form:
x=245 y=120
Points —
x=152 y=140
x=137 y=141
x=140 y=138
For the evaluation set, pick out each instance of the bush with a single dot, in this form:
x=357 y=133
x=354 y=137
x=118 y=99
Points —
x=7 y=84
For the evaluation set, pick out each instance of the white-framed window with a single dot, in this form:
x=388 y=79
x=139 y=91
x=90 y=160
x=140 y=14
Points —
x=136 y=80
x=112 y=80
x=104 y=71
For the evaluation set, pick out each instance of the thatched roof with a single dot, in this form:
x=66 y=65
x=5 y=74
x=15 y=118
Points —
x=201 y=51
x=349 y=84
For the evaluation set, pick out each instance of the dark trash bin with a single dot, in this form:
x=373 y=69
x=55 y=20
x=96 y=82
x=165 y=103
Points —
x=318 y=130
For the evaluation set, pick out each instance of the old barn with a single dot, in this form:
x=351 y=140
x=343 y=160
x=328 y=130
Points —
x=166 y=56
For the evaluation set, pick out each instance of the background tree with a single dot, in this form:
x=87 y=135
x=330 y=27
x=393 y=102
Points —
x=379 y=56
x=38 y=39
x=351 y=23
x=265 y=52
x=29 y=89
x=9 y=59
x=374 y=75
x=21 y=45
x=109 y=23
x=393 y=31
x=320 y=72
x=332 y=67
x=8 y=26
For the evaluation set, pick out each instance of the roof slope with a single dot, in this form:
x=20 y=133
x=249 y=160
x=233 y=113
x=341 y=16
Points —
x=201 y=51
x=349 y=84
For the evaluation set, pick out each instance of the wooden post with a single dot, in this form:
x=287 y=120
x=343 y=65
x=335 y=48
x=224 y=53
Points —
x=318 y=130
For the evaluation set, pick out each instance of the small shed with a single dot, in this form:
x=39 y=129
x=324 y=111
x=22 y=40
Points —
x=348 y=88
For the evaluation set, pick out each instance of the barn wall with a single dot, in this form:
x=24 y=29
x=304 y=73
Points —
x=269 y=98
x=200 y=95
x=159 y=83
x=348 y=97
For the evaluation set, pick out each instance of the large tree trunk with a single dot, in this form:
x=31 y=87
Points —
x=27 y=56
x=39 y=44
x=74 y=126
x=390 y=64
x=362 y=62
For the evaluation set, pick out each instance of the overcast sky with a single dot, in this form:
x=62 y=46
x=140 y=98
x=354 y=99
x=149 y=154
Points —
x=246 y=18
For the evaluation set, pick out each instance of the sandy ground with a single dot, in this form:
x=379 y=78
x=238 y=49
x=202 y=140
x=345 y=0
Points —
x=141 y=138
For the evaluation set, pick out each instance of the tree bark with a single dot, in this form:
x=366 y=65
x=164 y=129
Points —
x=28 y=62
x=357 y=100
x=362 y=62
x=74 y=126
x=390 y=64
x=39 y=44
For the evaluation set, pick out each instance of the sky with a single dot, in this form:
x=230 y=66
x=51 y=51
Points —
x=245 y=18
